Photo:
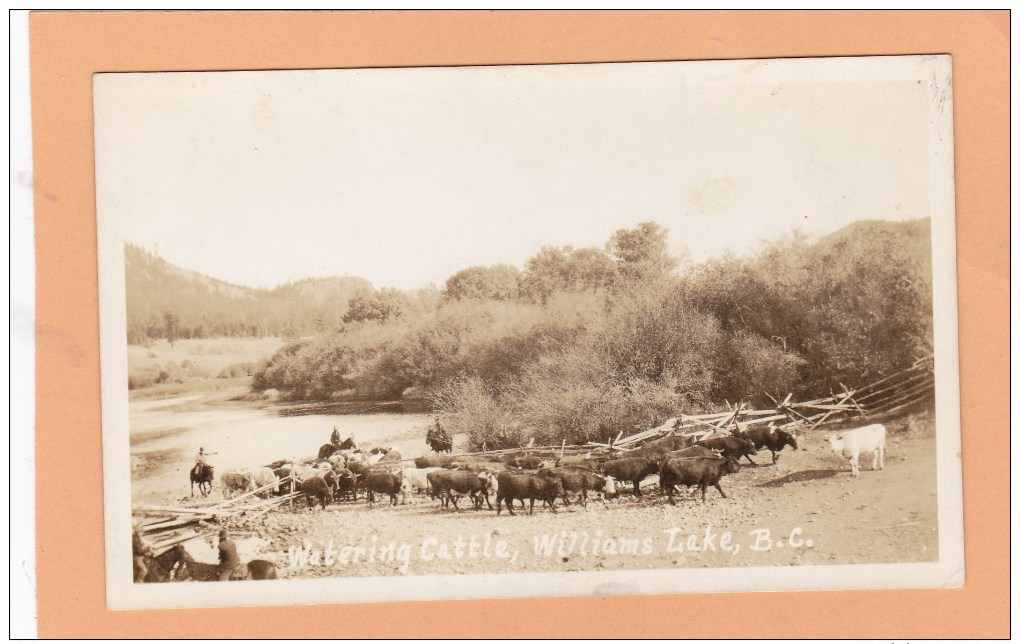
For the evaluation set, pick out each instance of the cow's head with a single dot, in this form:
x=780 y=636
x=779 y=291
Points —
x=788 y=439
x=836 y=442
x=490 y=481
x=610 y=487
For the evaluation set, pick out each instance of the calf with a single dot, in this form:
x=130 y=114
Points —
x=448 y=484
x=730 y=446
x=527 y=486
x=863 y=440
x=384 y=483
x=700 y=471
x=633 y=469
x=580 y=480
x=390 y=455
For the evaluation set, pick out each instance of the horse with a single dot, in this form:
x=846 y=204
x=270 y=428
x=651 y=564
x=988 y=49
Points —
x=165 y=567
x=198 y=571
x=327 y=450
x=203 y=475
x=439 y=440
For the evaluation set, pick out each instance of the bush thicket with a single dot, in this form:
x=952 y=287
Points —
x=585 y=343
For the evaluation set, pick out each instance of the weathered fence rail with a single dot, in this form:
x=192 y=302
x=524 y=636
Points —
x=897 y=392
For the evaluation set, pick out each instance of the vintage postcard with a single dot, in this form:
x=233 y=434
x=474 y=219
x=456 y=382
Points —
x=436 y=333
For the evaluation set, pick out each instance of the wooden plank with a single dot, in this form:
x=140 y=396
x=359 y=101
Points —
x=919 y=377
x=915 y=397
x=902 y=395
x=898 y=374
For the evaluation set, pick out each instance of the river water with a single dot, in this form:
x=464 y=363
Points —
x=166 y=434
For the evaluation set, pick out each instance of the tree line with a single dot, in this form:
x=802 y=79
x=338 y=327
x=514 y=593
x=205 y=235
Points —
x=167 y=302
x=586 y=342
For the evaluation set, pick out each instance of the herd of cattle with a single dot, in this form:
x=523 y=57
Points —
x=336 y=475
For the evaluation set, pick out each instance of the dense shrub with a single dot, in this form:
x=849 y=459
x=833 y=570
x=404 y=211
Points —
x=585 y=344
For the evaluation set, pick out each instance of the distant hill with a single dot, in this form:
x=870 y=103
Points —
x=909 y=241
x=167 y=301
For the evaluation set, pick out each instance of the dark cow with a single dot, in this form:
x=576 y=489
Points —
x=580 y=480
x=527 y=486
x=670 y=443
x=434 y=460
x=317 y=489
x=359 y=467
x=703 y=471
x=730 y=446
x=525 y=462
x=579 y=461
x=633 y=469
x=768 y=438
x=656 y=449
x=346 y=485
x=448 y=484
x=478 y=466
x=694 y=450
x=383 y=483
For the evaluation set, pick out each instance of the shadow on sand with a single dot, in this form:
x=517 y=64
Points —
x=797 y=477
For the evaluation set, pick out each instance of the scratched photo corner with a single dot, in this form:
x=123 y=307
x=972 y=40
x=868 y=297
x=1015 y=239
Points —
x=527 y=331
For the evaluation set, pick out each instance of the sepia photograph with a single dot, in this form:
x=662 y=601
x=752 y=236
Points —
x=424 y=333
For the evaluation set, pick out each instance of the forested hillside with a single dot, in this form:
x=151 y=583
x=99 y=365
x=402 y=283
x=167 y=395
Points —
x=165 y=301
x=584 y=343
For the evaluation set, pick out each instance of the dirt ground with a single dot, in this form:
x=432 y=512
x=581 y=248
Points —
x=804 y=510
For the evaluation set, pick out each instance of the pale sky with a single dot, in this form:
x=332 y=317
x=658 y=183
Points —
x=405 y=176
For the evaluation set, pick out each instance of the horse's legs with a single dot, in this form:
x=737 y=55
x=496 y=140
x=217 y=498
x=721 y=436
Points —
x=141 y=570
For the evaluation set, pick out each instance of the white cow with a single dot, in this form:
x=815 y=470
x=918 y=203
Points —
x=418 y=479
x=863 y=440
x=263 y=477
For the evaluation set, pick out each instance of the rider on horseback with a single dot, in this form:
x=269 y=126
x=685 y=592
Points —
x=229 y=561
x=200 y=462
x=334 y=438
x=139 y=551
x=438 y=439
